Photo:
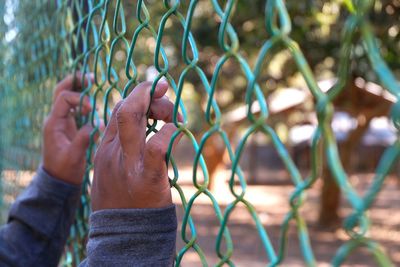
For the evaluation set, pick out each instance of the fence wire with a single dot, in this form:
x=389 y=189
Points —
x=86 y=36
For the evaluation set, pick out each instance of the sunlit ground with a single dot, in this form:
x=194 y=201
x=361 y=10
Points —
x=271 y=203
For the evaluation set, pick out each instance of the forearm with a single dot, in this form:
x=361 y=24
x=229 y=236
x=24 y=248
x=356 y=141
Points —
x=132 y=237
x=39 y=223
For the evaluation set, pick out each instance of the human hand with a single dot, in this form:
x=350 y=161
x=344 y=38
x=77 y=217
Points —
x=64 y=145
x=128 y=171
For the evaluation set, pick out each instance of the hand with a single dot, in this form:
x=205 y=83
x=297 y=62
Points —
x=128 y=172
x=64 y=146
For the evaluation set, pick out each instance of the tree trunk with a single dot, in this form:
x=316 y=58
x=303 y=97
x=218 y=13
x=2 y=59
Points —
x=330 y=195
x=330 y=200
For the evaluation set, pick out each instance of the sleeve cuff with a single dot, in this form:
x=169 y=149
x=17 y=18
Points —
x=44 y=202
x=118 y=221
x=132 y=237
x=53 y=185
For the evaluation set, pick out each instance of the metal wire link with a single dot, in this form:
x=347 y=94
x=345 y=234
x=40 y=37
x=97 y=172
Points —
x=84 y=36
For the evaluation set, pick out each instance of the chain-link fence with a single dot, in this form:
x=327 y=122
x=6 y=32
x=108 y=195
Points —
x=119 y=41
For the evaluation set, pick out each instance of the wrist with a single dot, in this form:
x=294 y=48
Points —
x=46 y=180
x=74 y=181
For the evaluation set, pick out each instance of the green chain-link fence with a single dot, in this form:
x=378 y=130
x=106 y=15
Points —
x=59 y=37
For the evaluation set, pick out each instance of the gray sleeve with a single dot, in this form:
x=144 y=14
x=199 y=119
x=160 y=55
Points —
x=39 y=223
x=132 y=237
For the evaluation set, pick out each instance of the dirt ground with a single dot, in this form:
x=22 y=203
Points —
x=271 y=203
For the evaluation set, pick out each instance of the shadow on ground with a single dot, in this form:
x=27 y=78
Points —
x=271 y=203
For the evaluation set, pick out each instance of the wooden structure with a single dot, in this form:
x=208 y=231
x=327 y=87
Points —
x=361 y=100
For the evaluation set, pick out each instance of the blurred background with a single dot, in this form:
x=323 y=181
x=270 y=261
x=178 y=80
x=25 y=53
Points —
x=35 y=53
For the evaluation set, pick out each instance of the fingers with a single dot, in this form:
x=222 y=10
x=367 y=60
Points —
x=163 y=109
x=132 y=118
x=112 y=126
x=156 y=150
x=68 y=83
x=81 y=141
x=160 y=90
x=67 y=101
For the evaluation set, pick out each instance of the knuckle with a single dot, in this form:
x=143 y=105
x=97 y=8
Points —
x=124 y=115
x=64 y=94
x=155 y=150
x=67 y=95
x=155 y=176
